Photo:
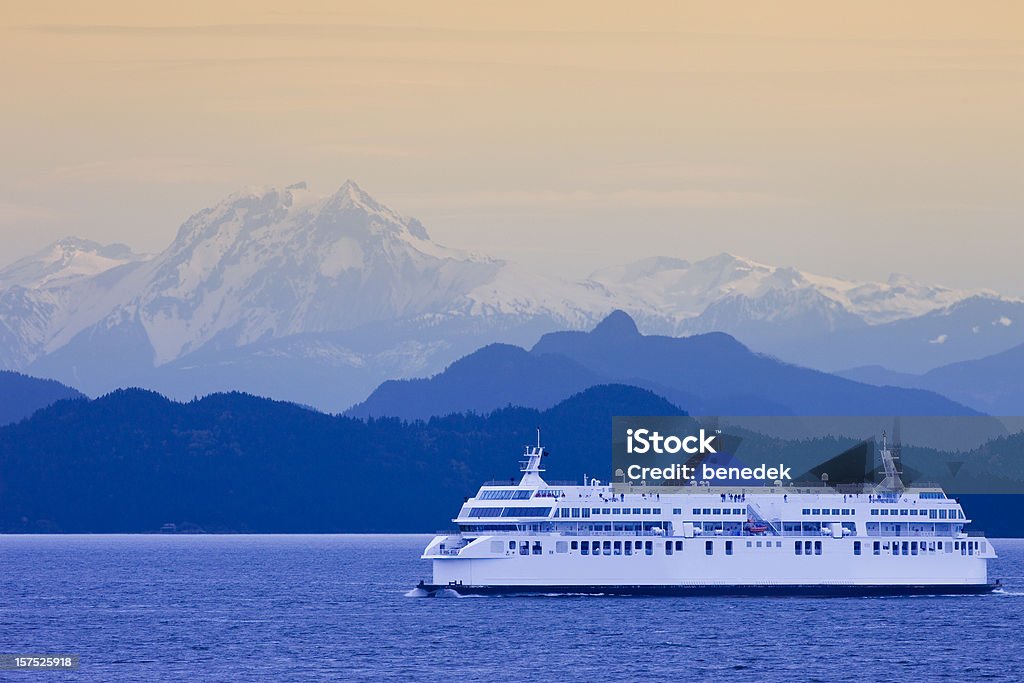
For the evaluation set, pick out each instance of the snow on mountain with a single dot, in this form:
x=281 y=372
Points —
x=727 y=292
x=66 y=262
x=273 y=263
x=42 y=293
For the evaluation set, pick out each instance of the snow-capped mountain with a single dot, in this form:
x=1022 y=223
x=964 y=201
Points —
x=66 y=262
x=275 y=264
x=277 y=283
x=41 y=294
x=755 y=290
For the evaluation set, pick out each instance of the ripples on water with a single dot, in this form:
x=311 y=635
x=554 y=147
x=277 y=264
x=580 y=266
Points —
x=335 y=607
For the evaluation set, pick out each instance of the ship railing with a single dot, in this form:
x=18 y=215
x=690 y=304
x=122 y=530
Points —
x=511 y=482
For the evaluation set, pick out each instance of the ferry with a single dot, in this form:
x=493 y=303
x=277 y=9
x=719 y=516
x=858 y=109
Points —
x=539 y=538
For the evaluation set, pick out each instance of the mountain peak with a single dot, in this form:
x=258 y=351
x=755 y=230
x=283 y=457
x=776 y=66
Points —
x=618 y=325
x=66 y=260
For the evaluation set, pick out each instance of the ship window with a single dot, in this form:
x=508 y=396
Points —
x=561 y=547
x=511 y=545
x=524 y=512
x=679 y=545
x=537 y=549
x=940 y=545
x=913 y=547
x=895 y=548
x=648 y=548
x=778 y=544
x=835 y=511
x=584 y=547
x=496 y=495
x=616 y=511
x=575 y=513
x=876 y=549
x=709 y=548
x=677 y=511
x=696 y=511
x=884 y=512
x=595 y=511
x=575 y=545
x=728 y=547
x=639 y=544
x=749 y=545
x=856 y=547
x=618 y=548
x=942 y=514
x=904 y=512
x=628 y=546
x=706 y=511
x=874 y=512
x=586 y=513
x=717 y=511
x=606 y=548
x=913 y=513
x=524 y=548
x=668 y=547
x=647 y=511
x=798 y=548
x=807 y=547
x=636 y=511
x=606 y=511
x=816 y=511
x=905 y=550
x=521 y=495
x=807 y=511
x=657 y=511
x=758 y=544
x=932 y=514
x=485 y=512
x=817 y=547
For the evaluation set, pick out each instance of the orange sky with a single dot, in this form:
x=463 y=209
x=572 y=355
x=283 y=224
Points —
x=854 y=138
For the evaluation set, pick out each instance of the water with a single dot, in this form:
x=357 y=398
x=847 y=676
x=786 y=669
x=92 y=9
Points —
x=334 y=607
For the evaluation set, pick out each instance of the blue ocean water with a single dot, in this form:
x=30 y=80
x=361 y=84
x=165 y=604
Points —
x=335 y=608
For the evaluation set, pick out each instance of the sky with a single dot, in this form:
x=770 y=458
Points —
x=852 y=139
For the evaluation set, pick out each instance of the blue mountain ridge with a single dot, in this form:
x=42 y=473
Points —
x=706 y=374
x=991 y=384
x=21 y=395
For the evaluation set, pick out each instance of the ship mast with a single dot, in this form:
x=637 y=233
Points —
x=530 y=467
x=890 y=463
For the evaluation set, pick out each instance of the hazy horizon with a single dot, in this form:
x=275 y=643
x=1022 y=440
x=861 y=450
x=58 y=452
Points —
x=849 y=141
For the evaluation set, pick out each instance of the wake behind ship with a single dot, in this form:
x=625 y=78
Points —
x=536 y=537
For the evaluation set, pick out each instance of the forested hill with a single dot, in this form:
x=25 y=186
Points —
x=133 y=460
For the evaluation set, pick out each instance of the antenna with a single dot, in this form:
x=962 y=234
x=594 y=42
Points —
x=538 y=437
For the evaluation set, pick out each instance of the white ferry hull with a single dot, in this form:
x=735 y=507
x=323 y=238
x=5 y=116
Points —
x=708 y=590
x=769 y=565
